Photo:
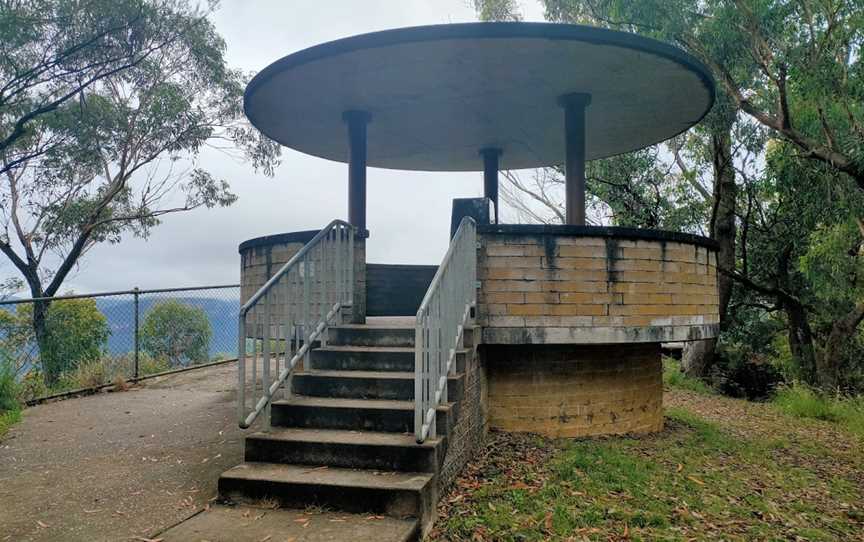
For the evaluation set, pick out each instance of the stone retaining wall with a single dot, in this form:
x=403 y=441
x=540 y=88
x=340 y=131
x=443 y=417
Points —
x=467 y=433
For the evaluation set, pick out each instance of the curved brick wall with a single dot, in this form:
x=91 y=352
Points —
x=263 y=256
x=575 y=391
x=583 y=285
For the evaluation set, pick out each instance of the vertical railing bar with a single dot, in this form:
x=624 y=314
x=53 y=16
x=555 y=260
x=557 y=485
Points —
x=287 y=333
x=241 y=368
x=323 y=306
x=307 y=310
x=255 y=355
x=265 y=354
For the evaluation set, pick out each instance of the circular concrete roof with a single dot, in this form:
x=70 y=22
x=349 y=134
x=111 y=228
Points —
x=438 y=94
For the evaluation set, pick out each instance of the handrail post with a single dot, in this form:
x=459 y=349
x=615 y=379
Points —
x=241 y=368
x=265 y=354
x=307 y=311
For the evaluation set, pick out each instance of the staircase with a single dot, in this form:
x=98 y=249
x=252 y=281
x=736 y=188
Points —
x=343 y=439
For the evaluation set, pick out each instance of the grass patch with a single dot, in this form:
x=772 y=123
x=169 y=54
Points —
x=7 y=420
x=801 y=401
x=673 y=377
x=10 y=409
x=692 y=481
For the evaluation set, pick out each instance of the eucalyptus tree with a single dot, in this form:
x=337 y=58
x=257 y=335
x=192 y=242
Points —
x=105 y=107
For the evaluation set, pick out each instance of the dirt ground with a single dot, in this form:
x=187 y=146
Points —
x=119 y=466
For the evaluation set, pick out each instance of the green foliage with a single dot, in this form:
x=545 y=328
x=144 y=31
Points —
x=674 y=378
x=99 y=103
x=801 y=401
x=7 y=420
x=9 y=392
x=177 y=332
x=149 y=365
x=32 y=386
x=76 y=332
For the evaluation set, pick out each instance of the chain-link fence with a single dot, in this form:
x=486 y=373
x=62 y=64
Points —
x=66 y=343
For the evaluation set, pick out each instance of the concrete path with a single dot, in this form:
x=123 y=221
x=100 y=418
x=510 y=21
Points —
x=117 y=466
x=248 y=524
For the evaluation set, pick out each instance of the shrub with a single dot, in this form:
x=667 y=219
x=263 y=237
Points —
x=177 y=332
x=674 y=378
x=89 y=374
x=801 y=401
x=8 y=388
x=32 y=386
x=76 y=332
x=148 y=365
x=741 y=371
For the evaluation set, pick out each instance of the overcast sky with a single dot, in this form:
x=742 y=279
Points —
x=408 y=213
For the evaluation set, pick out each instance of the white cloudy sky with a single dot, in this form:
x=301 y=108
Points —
x=408 y=213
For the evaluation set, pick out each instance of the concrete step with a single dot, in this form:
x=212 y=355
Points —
x=395 y=494
x=346 y=449
x=362 y=335
x=372 y=358
x=221 y=523
x=365 y=385
x=354 y=414
x=363 y=358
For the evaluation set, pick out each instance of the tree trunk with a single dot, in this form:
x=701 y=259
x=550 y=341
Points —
x=698 y=358
x=828 y=364
x=50 y=369
x=801 y=340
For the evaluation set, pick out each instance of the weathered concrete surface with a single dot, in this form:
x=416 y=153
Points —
x=116 y=466
x=250 y=524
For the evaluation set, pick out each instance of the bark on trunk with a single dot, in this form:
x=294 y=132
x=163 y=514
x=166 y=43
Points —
x=828 y=364
x=801 y=340
x=698 y=358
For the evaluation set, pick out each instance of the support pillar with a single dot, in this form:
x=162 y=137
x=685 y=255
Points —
x=357 y=121
x=574 y=129
x=490 y=176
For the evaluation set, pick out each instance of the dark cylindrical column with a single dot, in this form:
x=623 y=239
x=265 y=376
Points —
x=574 y=129
x=490 y=176
x=357 y=121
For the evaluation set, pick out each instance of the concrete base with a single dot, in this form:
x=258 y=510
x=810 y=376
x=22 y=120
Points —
x=575 y=390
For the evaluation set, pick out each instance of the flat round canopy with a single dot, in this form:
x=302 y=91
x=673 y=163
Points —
x=436 y=95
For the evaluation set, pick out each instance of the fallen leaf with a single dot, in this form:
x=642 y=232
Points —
x=43 y=525
x=696 y=480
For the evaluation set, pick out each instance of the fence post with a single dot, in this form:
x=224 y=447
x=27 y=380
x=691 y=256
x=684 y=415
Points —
x=135 y=295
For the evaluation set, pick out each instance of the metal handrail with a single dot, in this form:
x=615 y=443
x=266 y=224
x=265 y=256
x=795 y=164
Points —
x=305 y=295
x=440 y=327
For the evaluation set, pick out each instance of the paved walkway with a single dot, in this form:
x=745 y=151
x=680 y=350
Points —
x=116 y=466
